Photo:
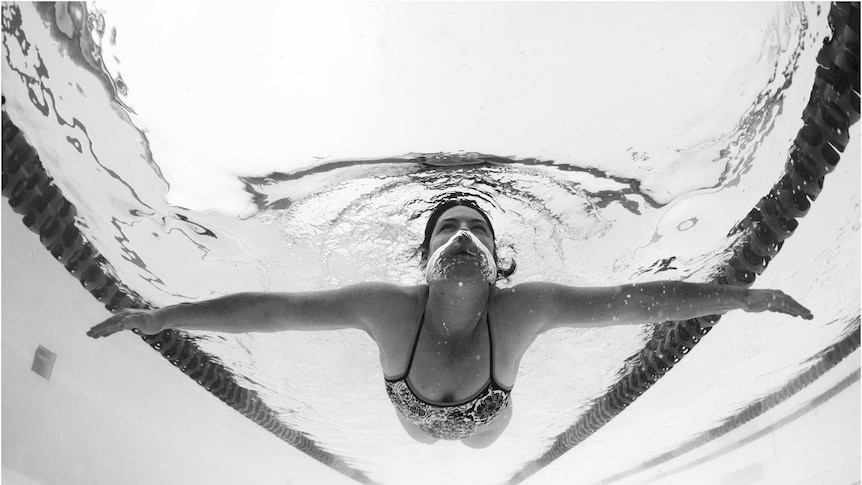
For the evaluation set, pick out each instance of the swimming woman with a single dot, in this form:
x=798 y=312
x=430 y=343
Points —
x=450 y=348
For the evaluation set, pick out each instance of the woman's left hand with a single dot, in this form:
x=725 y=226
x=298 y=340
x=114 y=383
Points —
x=776 y=301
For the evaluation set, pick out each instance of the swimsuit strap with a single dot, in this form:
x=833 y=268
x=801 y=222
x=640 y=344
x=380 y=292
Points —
x=415 y=344
x=493 y=381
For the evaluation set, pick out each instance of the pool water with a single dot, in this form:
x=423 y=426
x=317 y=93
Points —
x=299 y=147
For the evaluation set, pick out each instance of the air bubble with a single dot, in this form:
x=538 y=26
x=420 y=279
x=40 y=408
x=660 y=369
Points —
x=267 y=218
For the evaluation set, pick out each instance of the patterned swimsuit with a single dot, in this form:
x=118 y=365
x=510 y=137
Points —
x=444 y=420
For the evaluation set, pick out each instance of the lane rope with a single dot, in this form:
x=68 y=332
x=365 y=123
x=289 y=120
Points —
x=32 y=193
x=832 y=108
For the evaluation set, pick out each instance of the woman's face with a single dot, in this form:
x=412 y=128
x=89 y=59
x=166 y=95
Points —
x=461 y=258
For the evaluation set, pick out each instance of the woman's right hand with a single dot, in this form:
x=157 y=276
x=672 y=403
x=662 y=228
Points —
x=127 y=319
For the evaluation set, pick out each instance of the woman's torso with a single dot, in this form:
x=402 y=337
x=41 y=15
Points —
x=456 y=370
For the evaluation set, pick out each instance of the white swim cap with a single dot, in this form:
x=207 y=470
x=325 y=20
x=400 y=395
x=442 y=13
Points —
x=437 y=268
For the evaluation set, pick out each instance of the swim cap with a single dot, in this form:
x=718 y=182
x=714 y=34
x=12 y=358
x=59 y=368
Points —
x=438 y=268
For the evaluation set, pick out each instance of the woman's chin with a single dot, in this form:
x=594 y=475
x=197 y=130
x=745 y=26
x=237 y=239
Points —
x=460 y=273
x=473 y=277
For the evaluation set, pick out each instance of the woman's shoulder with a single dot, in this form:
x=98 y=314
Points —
x=387 y=304
x=392 y=313
x=521 y=293
x=521 y=307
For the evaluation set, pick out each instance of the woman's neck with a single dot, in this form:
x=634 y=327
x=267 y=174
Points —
x=455 y=308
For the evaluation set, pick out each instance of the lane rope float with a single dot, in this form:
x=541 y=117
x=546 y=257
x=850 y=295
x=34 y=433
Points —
x=32 y=193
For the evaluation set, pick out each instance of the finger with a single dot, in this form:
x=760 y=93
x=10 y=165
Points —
x=97 y=332
x=796 y=311
x=778 y=301
x=107 y=331
x=106 y=328
x=801 y=310
x=99 y=329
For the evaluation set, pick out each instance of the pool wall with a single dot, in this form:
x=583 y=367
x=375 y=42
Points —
x=113 y=411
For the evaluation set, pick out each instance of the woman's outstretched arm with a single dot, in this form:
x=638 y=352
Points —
x=559 y=305
x=357 y=306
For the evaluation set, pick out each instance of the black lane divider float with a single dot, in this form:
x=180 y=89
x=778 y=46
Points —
x=825 y=361
x=831 y=110
x=811 y=405
x=32 y=193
